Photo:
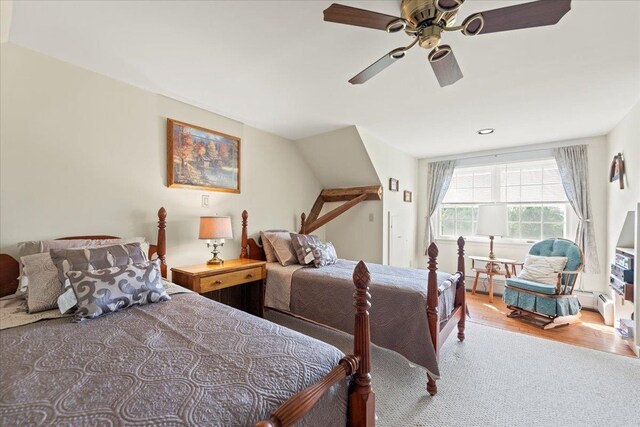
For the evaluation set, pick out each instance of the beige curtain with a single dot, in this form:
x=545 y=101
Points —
x=574 y=171
x=439 y=176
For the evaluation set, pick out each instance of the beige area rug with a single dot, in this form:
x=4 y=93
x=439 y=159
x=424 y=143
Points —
x=499 y=378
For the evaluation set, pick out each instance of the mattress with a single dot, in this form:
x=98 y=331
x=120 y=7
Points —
x=187 y=361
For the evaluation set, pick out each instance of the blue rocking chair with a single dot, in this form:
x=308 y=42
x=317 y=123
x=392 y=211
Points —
x=547 y=305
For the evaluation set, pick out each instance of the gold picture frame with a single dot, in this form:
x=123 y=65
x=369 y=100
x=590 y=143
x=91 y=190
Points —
x=202 y=159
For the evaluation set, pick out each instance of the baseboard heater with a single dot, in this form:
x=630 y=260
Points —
x=605 y=308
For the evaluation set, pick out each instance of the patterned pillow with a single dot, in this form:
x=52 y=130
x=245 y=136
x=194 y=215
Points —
x=302 y=244
x=92 y=259
x=282 y=247
x=542 y=269
x=41 y=246
x=324 y=254
x=44 y=287
x=108 y=290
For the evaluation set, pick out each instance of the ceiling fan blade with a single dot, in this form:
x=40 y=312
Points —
x=358 y=17
x=378 y=66
x=535 y=14
x=445 y=66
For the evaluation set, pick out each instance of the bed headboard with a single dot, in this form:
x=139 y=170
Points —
x=10 y=268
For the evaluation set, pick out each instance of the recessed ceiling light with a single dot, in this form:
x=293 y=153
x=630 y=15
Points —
x=487 y=131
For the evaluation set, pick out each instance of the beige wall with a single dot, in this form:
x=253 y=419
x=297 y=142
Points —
x=625 y=139
x=391 y=163
x=340 y=159
x=82 y=153
x=598 y=169
x=351 y=157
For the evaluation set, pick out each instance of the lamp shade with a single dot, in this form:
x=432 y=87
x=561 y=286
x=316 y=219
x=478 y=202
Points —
x=215 y=227
x=492 y=220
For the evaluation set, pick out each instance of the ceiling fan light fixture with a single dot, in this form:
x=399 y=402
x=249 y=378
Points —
x=397 y=53
x=396 y=25
x=439 y=52
x=448 y=5
x=486 y=131
x=473 y=25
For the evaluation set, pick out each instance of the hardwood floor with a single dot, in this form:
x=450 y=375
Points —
x=589 y=331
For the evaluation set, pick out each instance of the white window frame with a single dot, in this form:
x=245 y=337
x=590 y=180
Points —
x=570 y=216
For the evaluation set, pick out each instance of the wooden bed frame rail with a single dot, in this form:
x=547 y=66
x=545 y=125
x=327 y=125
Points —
x=10 y=267
x=358 y=365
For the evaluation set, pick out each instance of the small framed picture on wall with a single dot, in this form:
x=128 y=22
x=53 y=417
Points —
x=394 y=184
x=407 y=196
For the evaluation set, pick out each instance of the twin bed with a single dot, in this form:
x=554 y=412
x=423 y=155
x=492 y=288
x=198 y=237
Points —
x=193 y=361
x=414 y=311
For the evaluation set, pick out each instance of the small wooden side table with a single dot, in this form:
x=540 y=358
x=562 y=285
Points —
x=203 y=278
x=489 y=268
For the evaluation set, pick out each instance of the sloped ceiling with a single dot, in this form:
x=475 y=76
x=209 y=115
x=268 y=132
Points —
x=339 y=159
x=277 y=66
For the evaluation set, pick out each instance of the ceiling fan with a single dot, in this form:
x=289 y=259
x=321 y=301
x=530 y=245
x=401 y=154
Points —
x=426 y=20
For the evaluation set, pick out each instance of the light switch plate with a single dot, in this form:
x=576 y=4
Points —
x=205 y=200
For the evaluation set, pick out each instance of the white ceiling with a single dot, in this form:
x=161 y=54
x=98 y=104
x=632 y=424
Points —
x=277 y=66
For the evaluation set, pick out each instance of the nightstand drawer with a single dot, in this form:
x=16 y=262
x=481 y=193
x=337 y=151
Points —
x=224 y=280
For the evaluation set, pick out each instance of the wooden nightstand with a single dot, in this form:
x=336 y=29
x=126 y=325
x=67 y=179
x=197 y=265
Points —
x=210 y=279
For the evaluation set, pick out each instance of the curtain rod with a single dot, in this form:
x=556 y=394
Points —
x=512 y=150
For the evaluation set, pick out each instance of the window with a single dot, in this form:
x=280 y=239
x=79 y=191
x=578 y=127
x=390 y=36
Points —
x=536 y=202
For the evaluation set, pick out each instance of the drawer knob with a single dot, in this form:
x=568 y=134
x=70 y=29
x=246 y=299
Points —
x=217 y=282
x=249 y=276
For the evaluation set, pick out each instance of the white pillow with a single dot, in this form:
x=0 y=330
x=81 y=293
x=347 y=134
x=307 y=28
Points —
x=282 y=247
x=543 y=269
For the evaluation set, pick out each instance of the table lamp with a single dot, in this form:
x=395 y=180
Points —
x=215 y=229
x=492 y=221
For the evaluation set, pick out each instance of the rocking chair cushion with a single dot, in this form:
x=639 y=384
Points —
x=528 y=285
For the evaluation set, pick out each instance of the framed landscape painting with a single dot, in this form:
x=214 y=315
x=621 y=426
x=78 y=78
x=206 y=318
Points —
x=201 y=158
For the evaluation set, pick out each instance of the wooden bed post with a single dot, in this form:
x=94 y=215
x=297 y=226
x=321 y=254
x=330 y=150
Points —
x=461 y=290
x=162 y=241
x=303 y=221
x=243 y=250
x=358 y=364
x=362 y=398
x=432 y=309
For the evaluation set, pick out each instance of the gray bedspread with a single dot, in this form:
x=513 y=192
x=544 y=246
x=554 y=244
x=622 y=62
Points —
x=398 y=314
x=188 y=361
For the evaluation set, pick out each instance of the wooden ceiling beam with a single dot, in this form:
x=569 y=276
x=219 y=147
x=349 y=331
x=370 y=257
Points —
x=312 y=226
x=373 y=192
x=315 y=210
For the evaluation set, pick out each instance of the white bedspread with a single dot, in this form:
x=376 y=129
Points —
x=278 y=292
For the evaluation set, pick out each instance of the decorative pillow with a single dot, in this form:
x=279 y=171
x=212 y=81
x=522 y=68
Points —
x=324 y=254
x=543 y=269
x=91 y=259
x=40 y=246
x=44 y=286
x=269 y=253
x=282 y=247
x=302 y=244
x=108 y=290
